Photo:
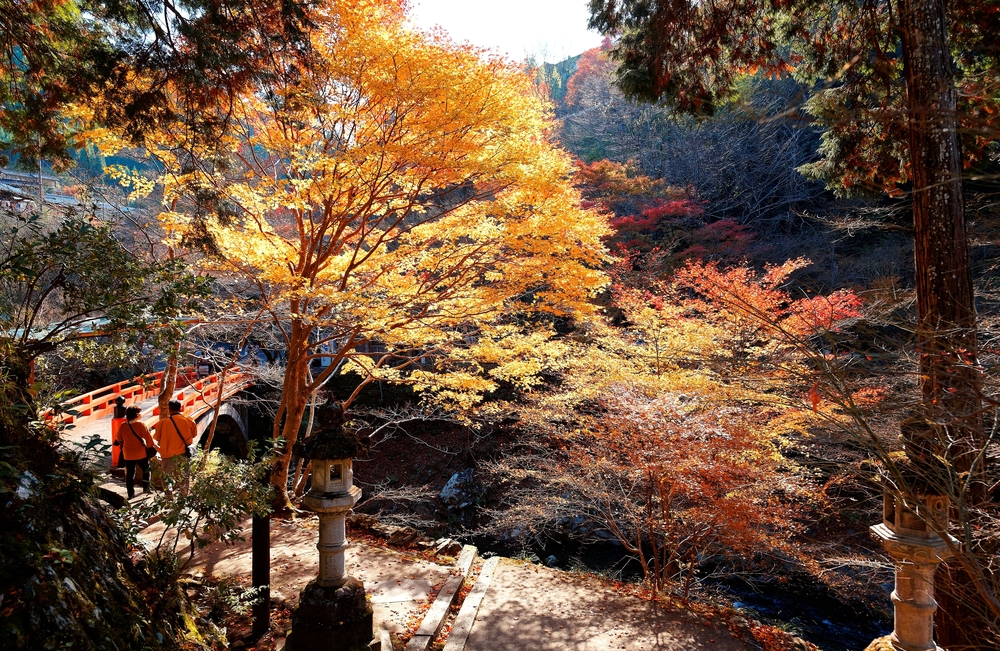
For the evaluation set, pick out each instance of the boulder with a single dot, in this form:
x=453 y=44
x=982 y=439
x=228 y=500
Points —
x=362 y=520
x=460 y=490
x=403 y=536
x=447 y=547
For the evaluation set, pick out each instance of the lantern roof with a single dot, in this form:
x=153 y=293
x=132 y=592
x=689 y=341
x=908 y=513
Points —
x=329 y=439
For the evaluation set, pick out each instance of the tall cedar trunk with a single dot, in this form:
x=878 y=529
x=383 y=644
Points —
x=292 y=407
x=169 y=384
x=946 y=319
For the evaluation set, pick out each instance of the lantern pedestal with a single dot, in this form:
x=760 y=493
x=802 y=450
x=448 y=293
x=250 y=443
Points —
x=913 y=601
x=332 y=619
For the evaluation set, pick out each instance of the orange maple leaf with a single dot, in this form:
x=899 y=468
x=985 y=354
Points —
x=814 y=396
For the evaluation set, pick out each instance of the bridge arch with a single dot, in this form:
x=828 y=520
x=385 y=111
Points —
x=231 y=434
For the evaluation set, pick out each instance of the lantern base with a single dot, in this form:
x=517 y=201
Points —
x=885 y=644
x=332 y=619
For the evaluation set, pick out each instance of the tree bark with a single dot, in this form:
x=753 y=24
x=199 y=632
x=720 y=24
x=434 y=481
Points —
x=206 y=444
x=169 y=384
x=292 y=408
x=946 y=318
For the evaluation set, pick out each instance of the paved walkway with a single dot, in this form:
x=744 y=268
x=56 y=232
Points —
x=399 y=584
x=525 y=608
x=533 y=607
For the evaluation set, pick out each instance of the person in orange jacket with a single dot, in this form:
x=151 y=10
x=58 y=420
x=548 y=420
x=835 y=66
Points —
x=173 y=435
x=134 y=439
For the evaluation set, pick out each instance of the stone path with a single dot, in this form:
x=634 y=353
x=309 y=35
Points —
x=531 y=607
x=398 y=584
x=524 y=607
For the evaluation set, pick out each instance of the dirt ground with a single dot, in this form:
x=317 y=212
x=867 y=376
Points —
x=400 y=584
x=532 y=607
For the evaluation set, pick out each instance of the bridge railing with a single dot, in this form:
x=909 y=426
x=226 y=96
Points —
x=100 y=402
x=202 y=395
x=192 y=391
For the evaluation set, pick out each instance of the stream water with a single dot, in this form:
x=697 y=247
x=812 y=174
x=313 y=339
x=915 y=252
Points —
x=798 y=604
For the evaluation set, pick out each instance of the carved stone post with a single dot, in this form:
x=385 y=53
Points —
x=333 y=612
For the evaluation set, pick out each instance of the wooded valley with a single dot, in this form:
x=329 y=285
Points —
x=690 y=312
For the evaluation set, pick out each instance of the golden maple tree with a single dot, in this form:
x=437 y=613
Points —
x=396 y=189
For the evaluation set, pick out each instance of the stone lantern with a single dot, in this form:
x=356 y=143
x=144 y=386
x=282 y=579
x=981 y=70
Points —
x=333 y=612
x=908 y=533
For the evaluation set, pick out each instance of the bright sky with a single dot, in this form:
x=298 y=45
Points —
x=551 y=30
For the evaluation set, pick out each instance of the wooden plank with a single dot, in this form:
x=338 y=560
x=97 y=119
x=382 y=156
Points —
x=470 y=607
x=434 y=619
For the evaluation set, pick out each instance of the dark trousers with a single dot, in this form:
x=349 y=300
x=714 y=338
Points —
x=130 y=476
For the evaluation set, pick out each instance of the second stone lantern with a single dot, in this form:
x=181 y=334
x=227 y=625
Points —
x=913 y=512
x=333 y=612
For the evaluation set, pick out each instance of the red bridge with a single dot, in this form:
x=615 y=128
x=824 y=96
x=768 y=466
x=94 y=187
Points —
x=90 y=414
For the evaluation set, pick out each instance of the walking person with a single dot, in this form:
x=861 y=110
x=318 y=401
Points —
x=135 y=442
x=173 y=435
x=117 y=418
